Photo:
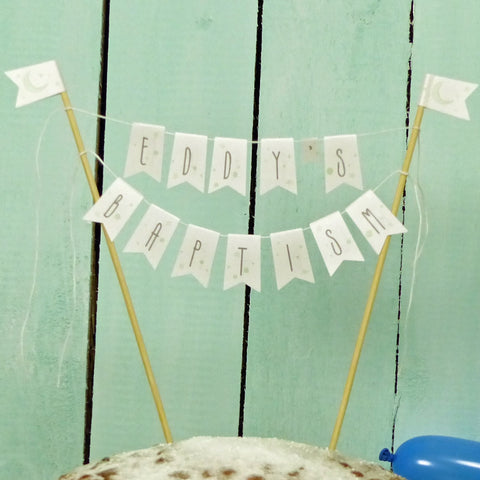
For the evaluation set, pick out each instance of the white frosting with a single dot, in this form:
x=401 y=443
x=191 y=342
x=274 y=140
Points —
x=212 y=458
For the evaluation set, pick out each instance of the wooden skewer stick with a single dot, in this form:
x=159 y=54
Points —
x=119 y=271
x=375 y=282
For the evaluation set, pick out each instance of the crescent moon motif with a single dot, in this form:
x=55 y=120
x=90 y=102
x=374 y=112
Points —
x=437 y=94
x=35 y=82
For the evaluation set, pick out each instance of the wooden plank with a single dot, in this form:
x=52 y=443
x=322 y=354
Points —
x=188 y=66
x=327 y=69
x=438 y=356
x=45 y=245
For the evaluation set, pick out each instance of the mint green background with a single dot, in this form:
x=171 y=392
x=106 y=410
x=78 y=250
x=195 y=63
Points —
x=327 y=68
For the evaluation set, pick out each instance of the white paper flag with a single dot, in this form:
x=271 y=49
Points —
x=290 y=257
x=189 y=159
x=153 y=234
x=36 y=82
x=196 y=254
x=374 y=219
x=115 y=207
x=335 y=241
x=446 y=95
x=277 y=164
x=229 y=165
x=342 y=162
x=145 y=150
x=242 y=264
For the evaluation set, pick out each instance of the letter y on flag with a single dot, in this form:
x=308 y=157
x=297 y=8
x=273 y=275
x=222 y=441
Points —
x=36 y=82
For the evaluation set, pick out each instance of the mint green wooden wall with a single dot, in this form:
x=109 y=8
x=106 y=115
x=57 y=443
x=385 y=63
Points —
x=327 y=68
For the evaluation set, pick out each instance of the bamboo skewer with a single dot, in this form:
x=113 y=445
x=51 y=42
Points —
x=375 y=282
x=119 y=271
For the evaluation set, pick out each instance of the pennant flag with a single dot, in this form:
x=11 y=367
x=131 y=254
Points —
x=335 y=241
x=342 y=162
x=290 y=257
x=446 y=95
x=277 y=164
x=189 y=159
x=242 y=263
x=145 y=150
x=229 y=165
x=115 y=207
x=36 y=82
x=196 y=254
x=153 y=234
x=374 y=219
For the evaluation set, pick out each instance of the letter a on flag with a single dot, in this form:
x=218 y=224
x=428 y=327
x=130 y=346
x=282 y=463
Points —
x=446 y=95
x=36 y=82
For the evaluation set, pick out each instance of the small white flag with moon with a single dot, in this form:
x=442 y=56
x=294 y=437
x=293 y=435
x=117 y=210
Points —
x=446 y=95
x=36 y=82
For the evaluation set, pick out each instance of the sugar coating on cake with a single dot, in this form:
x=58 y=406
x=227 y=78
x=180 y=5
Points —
x=232 y=458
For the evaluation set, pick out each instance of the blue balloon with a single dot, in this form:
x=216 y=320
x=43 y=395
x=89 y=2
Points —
x=435 y=457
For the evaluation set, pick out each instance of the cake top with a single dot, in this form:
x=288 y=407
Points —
x=247 y=458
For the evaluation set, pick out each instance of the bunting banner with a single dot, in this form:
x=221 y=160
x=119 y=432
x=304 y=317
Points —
x=188 y=164
x=153 y=234
x=114 y=207
x=335 y=241
x=342 y=162
x=374 y=219
x=145 y=150
x=243 y=260
x=196 y=254
x=290 y=257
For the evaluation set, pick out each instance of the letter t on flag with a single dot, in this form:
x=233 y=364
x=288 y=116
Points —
x=36 y=82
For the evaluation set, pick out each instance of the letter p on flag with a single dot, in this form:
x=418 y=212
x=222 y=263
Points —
x=36 y=82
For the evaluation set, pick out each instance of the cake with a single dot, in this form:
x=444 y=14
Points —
x=235 y=458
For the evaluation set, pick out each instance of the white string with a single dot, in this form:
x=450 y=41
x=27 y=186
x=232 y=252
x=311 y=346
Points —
x=211 y=139
x=33 y=287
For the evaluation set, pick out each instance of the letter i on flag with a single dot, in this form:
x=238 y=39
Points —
x=115 y=207
x=446 y=95
x=290 y=257
x=36 y=82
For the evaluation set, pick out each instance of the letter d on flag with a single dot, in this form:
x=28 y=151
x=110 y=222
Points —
x=36 y=82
